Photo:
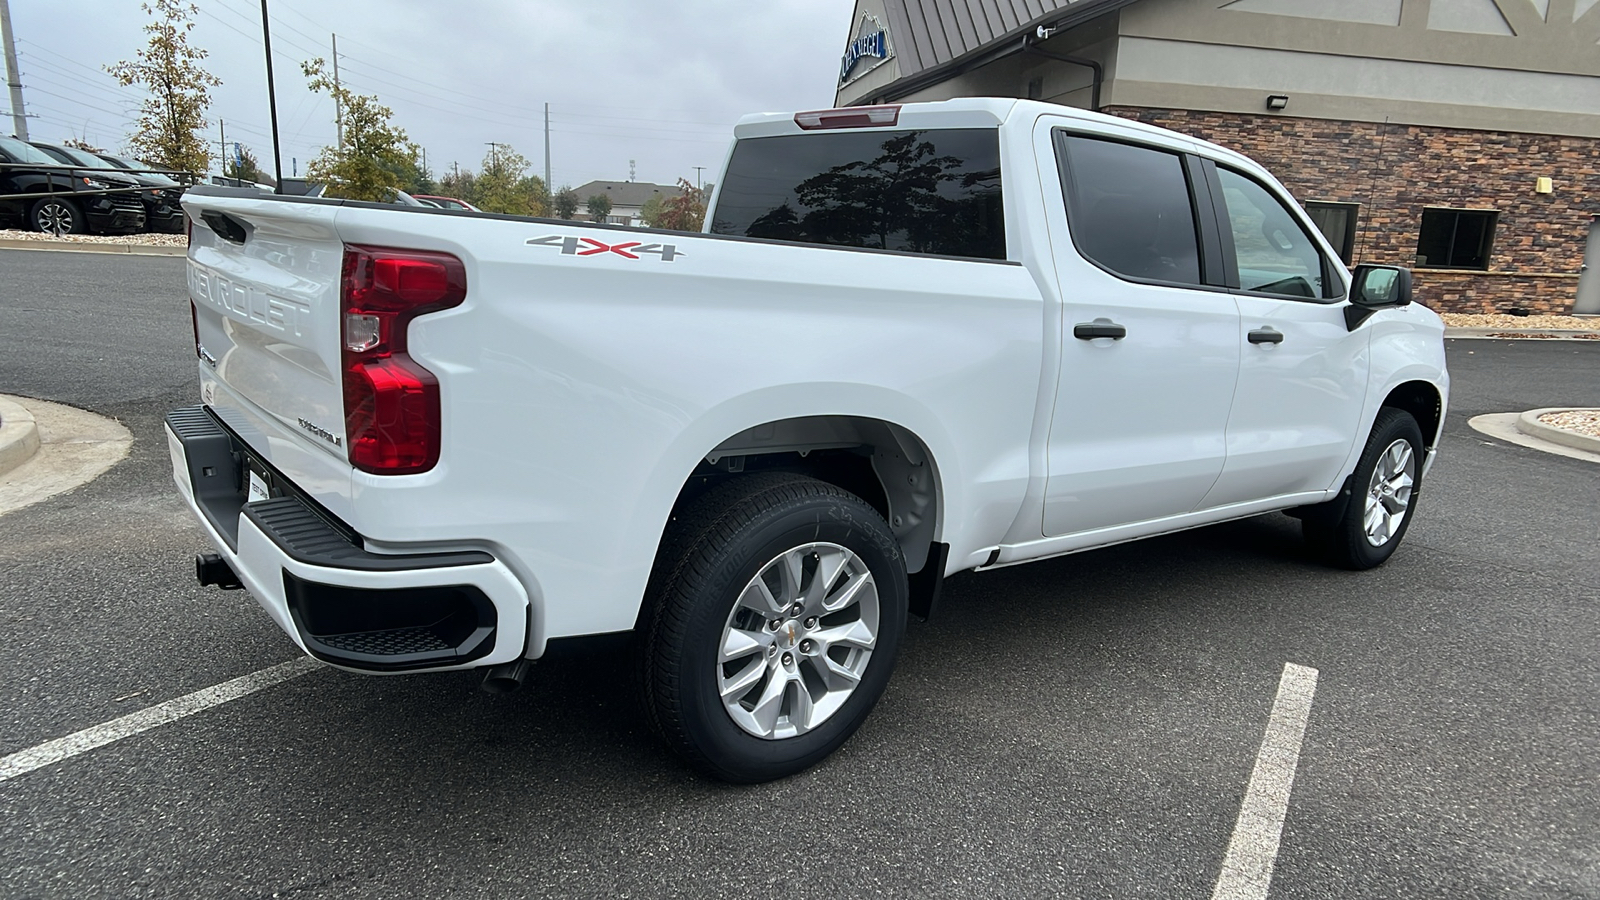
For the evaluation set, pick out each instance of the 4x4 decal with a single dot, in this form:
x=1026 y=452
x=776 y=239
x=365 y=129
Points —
x=585 y=246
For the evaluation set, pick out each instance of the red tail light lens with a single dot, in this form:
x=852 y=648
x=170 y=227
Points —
x=391 y=403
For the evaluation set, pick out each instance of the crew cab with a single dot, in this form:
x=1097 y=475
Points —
x=911 y=341
x=56 y=196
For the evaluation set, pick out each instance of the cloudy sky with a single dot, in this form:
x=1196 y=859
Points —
x=659 y=83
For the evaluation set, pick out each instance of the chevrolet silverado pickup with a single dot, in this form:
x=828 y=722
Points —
x=911 y=341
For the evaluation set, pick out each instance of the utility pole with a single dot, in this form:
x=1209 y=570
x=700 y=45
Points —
x=338 y=108
x=548 y=189
x=697 y=171
x=222 y=147
x=494 y=154
x=272 y=102
x=19 y=116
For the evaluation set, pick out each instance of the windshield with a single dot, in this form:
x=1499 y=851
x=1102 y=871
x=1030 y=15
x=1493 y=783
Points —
x=83 y=158
x=126 y=163
x=24 y=152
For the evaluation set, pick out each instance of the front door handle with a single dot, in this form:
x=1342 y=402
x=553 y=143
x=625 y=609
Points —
x=1266 y=336
x=1099 y=328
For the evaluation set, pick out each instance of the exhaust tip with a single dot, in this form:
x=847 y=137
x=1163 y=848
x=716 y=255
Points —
x=210 y=568
x=506 y=677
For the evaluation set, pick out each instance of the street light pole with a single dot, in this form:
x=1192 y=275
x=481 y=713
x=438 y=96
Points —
x=272 y=101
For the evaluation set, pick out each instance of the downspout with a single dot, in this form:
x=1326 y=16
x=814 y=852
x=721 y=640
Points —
x=1098 y=70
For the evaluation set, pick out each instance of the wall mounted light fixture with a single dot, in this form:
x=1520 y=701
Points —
x=1277 y=101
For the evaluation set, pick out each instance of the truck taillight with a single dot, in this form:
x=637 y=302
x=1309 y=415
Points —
x=391 y=403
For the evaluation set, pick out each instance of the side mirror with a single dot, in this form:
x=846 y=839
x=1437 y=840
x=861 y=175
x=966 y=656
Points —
x=1374 y=288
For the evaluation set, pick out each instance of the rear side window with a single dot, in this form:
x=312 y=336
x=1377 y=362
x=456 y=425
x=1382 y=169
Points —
x=1129 y=209
x=933 y=191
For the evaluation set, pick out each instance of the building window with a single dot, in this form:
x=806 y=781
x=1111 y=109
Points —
x=1337 y=222
x=1456 y=238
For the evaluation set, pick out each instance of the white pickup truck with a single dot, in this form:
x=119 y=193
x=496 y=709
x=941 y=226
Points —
x=913 y=340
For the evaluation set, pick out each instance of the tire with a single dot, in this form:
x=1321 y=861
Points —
x=56 y=215
x=798 y=681
x=1383 y=497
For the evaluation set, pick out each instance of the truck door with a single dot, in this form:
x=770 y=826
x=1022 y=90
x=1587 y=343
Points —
x=1151 y=346
x=1303 y=374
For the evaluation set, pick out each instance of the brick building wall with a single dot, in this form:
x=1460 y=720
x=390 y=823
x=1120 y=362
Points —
x=1395 y=171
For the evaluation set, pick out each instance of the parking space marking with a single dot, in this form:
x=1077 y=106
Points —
x=51 y=752
x=1253 y=849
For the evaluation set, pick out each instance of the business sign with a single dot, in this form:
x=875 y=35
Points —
x=871 y=45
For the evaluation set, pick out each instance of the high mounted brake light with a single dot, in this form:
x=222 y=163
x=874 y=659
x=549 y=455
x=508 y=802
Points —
x=849 y=117
x=391 y=403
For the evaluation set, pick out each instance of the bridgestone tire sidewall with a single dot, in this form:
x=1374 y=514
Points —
x=730 y=752
x=1351 y=547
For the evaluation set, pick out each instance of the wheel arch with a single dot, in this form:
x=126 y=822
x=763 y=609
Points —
x=886 y=464
x=1424 y=402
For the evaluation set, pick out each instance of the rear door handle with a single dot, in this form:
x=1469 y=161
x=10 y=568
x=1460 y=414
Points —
x=1266 y=336
x=1099 y=328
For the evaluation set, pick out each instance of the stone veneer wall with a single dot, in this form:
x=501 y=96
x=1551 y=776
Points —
x=1395 y=170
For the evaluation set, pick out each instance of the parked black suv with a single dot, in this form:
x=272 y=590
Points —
x=77 y=204
x=162 y=211
x=148 y=200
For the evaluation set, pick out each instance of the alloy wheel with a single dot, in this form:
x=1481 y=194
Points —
x=1389 y=493
x=798 y=640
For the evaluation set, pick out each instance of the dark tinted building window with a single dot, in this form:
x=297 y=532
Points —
x=935 y=191
x=1455 y=238
x=1129 y=209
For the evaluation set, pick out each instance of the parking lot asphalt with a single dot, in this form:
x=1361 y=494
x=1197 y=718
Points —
x=1083 y=726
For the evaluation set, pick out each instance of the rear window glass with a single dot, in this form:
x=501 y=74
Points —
x=934 y=191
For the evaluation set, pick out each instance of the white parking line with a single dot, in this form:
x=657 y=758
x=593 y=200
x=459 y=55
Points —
x=1253 y=850
x=50 y=752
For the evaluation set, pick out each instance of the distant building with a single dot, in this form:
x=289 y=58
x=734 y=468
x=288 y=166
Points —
x=627 y=198
x=1459 y=137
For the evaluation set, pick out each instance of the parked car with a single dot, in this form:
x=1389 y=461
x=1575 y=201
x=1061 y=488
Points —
x=162 y=211
x=69 y=199
x=446 y=202
x=432 y=443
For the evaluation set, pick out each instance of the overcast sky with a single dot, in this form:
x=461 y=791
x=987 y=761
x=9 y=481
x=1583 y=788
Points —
x=660 y=83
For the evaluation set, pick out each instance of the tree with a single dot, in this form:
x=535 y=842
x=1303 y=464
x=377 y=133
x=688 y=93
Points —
x=650 y=213
x=245 y=168
x=566 y=203
x=505 y=187
x=172 y=119
x=375 y=152
x=685 y=212
x=461 y=184
x=599 y=207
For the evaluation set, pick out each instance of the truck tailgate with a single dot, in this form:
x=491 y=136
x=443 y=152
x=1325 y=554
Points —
x=267 y=322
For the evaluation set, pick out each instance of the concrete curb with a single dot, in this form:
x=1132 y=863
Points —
x=1528 y=423
x=74 y=247
x=19 y=436
x=1547 y=334
x=75 y=447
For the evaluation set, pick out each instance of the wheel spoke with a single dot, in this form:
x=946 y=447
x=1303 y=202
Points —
x=758 y=597
x=829 y=564
x=834 y=675
x=736 y=687
x=800 y=708
x=791 y=567
x=738 y=642
x=770 y=705
x=855 y=634
x=851 y=593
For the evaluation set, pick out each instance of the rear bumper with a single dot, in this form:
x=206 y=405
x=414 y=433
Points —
x=432 y=610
